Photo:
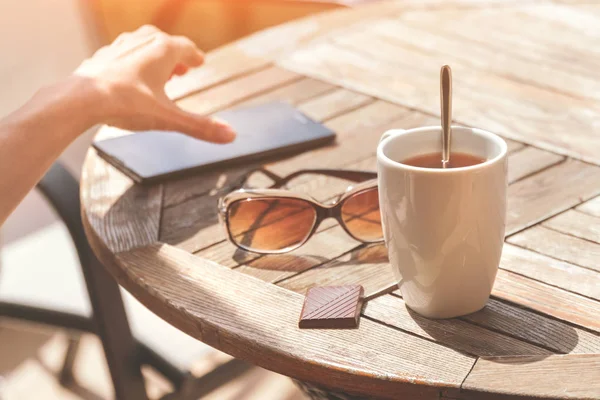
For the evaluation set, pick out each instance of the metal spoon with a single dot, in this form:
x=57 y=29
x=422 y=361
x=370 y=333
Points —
x=446 y=104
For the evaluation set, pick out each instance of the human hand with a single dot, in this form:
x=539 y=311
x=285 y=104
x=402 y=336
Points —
x=130 y=75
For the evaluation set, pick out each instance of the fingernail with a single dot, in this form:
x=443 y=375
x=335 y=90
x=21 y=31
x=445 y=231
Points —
x=224 y=131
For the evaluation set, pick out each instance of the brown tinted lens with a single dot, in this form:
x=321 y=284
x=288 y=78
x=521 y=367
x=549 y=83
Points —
x=270 y=224
x=360 y=214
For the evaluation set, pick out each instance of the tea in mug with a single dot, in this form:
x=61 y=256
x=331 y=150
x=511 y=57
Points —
x=434 y=160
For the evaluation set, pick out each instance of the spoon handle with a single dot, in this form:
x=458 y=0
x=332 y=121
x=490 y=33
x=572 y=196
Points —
x=446 y=104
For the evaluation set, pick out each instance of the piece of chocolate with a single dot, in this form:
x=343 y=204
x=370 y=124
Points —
x=332 y=307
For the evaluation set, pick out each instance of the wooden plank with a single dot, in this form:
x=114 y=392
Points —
x=123 y=214
x=455 y=333
x=547 y=299
x=577 y=224
x=193 y=224
x=529 y=161
x=261 y=326
x=551 y=271
x=293 y=93
x=227 y=254
x=409 y=76
x=549 y=192
x=591 y=207
x=367 y=266
x=180 y=190
x=334 y=103
x=371 y=117
x=560 y=246
x=513 y=145
x=535 y=328
x=572 y=376
x=220 y=65
x=232 y=92
x=358 y=135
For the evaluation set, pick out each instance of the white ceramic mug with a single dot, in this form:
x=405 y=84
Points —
x=444 y=228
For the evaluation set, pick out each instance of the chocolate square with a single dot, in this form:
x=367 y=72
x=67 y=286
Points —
x=332 y=307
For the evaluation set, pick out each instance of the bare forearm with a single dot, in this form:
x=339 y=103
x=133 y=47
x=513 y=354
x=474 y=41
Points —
x=122 y=85
x=35 y=135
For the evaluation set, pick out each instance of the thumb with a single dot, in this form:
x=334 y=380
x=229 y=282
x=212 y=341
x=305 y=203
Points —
x=199 y=126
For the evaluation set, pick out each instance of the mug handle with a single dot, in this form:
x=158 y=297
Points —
x=389 y=133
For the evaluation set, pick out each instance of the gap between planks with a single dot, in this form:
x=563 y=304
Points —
x=455 y=333
x=571 y=222
x=574 y=249
x=588 y=340
x=550 y=317
x=176 y=91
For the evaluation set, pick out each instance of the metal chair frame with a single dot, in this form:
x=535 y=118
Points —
x=124 y=354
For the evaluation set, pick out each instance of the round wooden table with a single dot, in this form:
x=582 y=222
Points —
x=525 y=70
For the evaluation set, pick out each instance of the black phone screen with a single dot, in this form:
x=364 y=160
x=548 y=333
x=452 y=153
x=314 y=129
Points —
x=262 y=131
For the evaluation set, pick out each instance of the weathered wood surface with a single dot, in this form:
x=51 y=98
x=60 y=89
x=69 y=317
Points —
x=368 y=266
x=123 y=214
x=455 y=333
x=513 y=84
x=553 y=190
x=550 y=270
x=237 y=90
x=370 y=70
x=547 y=299
x=536 y=376
x=535 y=328
x=560 y=246
x=576 y=224
x=247 y=318
x=529 y=161
x=591 y=207
x=337 y=102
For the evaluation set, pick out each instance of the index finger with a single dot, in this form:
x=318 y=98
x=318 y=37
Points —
x=187 y=52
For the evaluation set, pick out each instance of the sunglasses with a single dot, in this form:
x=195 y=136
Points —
x=274 y=220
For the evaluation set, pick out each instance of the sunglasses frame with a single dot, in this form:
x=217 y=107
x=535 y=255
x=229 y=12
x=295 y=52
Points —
x=367 y=179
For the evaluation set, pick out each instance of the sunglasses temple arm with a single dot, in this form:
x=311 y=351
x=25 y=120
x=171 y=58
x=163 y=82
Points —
x=353 y=176
x=241 y=181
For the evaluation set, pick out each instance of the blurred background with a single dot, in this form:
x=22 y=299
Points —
x=43 y=41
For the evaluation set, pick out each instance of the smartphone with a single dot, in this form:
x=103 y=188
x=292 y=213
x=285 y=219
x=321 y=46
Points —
x=263 y=131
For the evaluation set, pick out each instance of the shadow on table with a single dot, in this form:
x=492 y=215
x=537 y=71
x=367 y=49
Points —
x=542 y=335
x=375 y=253
x=288 y=262
x=300 y=262
x=325 y=271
